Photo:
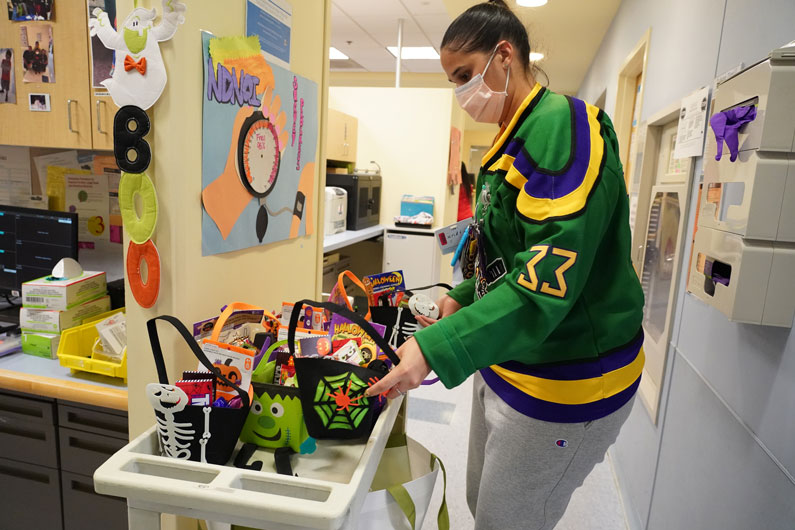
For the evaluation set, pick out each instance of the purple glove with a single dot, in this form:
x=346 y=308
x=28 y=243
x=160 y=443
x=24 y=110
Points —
x=726 y=126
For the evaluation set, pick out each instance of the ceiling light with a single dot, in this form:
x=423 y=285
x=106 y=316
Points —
x=536 y=56
x=334 y=53
x=531 y=3
x=414 y=52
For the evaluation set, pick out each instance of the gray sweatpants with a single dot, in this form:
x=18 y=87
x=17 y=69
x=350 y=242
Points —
x=521 y=471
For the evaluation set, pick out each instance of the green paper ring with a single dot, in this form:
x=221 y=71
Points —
x=140 y=229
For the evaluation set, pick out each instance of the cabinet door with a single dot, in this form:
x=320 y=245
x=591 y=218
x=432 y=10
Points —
x=349 y=136
x=84 y=508
x=417 y=255
x=103 y=110
x=68 y=123
x=31 y=496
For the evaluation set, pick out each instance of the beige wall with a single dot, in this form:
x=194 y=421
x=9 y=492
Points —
x=195 y=287
x=407 y=131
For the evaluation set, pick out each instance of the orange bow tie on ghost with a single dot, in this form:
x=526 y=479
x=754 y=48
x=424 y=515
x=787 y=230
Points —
x=130 y=63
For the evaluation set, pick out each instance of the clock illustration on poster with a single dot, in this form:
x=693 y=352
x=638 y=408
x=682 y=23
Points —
x=258 y=160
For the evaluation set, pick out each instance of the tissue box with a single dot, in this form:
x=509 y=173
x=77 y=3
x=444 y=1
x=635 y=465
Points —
x=40 y=344
x=54 y=321
x=411 y=205
x=63 y=294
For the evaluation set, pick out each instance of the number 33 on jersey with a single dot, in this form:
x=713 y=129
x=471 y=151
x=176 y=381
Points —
x=529 y=279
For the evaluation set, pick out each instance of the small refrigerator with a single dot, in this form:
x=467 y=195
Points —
x=416 y=253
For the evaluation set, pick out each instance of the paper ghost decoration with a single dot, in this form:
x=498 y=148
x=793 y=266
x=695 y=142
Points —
x=140 y=75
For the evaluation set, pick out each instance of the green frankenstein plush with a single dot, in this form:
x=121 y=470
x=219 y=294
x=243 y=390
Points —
x=276 y=420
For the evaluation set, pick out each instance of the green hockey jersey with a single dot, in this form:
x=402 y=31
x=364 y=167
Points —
x=554 y=325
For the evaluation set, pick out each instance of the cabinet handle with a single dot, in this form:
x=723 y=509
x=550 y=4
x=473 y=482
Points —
x=99 y=117
x=69 y=113
x=24 y=474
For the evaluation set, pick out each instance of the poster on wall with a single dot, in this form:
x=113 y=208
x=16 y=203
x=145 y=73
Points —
x=271 y=21
x=102 y=58
x=8 y=79
x=259 y=138
x=37 y=54
x=30 y=9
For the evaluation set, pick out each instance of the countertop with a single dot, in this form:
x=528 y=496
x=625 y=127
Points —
x=46 y=377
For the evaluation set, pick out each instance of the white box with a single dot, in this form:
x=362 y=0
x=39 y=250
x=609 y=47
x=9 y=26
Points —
x=336 y=210
x=63 y=294
x=54 y=321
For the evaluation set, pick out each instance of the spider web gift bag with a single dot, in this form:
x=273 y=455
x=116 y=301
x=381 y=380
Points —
x=332 y=392
x=193 y=432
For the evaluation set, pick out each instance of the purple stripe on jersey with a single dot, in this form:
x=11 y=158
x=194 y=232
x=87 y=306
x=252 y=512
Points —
x=587 y=369
x=541 y=185
x=556 y=412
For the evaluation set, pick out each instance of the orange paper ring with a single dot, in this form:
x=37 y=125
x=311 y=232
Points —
x=144 y=293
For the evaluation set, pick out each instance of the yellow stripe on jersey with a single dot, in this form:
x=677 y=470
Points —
x=507 y=132
x=539 y=209
x=579 y=391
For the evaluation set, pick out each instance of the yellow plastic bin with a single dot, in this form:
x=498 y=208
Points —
x=78 y=349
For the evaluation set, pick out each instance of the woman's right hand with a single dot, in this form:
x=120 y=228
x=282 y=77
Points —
x=447 y=306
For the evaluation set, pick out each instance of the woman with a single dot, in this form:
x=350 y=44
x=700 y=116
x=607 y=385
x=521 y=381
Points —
x=551 y=322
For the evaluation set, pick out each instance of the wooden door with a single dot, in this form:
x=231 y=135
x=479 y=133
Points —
x=68 y=123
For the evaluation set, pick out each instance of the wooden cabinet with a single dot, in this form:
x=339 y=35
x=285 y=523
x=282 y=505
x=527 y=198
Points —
x=76 y=114
x=341 y=141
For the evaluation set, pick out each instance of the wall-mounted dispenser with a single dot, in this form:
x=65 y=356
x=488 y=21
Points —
x=744 y=251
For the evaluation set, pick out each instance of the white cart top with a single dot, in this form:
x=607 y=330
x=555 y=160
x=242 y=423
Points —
x=327 y=492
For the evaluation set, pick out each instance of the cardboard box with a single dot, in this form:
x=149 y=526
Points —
x=54 y=321
x=63 y=294
x=41 y=344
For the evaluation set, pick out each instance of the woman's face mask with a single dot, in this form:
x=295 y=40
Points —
x=482 y=103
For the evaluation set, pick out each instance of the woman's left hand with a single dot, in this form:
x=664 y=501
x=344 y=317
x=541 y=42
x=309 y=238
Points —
x=410 y=373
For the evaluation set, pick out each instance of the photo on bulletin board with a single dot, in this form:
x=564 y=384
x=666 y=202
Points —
x=39 y=102
x=259 y=142
x=37 y=54
x=30 y=9
x=8 y=81
x=102 y=58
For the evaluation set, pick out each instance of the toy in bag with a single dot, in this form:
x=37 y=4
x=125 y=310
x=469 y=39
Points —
x=339 y=295
x=333 y=392
x=192 y=432
x=399 y=321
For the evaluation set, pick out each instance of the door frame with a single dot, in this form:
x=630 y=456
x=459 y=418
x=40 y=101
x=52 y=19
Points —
x=634 y=65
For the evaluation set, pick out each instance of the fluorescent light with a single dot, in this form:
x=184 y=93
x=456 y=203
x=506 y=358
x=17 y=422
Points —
x=536 y=56
x=531 y=3
x=414 y=52
x=334 y=53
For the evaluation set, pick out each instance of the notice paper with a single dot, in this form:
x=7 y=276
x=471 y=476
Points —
x=692 y=124
x=62 y=158
x=271 y=21
x=15 y=178
x=88 y=196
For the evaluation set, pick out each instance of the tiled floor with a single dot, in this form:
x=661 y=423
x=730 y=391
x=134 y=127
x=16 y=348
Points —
x=439 y=419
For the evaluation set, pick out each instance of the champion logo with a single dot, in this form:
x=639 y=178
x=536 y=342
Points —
x=561 y=443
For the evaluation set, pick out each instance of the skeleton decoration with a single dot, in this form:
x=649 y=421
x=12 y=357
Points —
x=206 y=434
x=175 y=438
x=140 y=75
x=402 y=330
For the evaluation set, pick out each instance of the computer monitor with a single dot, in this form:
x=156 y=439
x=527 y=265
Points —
x=31 y=243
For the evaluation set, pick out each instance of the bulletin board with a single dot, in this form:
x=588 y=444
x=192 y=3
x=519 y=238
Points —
x=259 y=139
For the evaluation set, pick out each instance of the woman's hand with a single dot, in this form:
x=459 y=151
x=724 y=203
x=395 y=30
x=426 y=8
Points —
x=410 y=373
x=447 y=306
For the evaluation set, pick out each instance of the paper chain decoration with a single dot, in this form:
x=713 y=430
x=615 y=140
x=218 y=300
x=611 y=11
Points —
x=138 y=81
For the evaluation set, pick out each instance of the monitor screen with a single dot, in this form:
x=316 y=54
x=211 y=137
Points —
x=31 y=243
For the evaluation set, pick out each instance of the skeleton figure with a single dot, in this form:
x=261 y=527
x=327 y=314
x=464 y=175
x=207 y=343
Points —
x=206 y=436
x=407 y=329
x=175 y=438
x=139 y=76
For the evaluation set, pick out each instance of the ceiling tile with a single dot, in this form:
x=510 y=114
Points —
x=425 y=7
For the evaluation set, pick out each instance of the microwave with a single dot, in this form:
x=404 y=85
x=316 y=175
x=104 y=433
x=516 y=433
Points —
x=364 y=197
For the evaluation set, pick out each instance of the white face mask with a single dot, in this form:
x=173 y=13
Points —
x=481 y=102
